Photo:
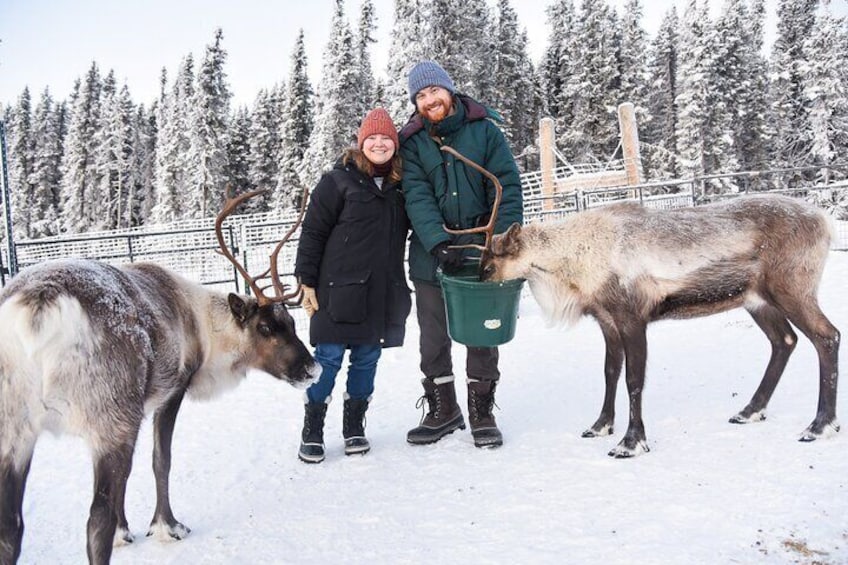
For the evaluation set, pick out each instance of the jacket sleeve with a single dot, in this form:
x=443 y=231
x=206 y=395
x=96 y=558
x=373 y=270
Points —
x=422 y=207
x=501 y=163
x=322 y=214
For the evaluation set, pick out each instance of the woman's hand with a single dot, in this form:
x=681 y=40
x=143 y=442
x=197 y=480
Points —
x=310 y=300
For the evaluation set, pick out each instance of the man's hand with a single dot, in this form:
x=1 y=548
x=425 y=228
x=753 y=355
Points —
x=310 y=300
x=450 y=260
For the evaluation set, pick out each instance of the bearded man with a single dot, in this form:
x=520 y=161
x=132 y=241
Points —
x=442 y=190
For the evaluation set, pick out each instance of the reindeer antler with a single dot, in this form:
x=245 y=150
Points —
x=489 y=228
x=291 y=298
x=280 y=294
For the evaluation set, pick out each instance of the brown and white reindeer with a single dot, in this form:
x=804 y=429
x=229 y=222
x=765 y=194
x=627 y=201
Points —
x=88 y=348
x=627 y=265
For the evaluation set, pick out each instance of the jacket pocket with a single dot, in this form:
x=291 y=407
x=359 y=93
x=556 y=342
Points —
x=348 y=301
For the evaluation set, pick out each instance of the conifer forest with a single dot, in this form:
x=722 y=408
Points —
x=709 y=98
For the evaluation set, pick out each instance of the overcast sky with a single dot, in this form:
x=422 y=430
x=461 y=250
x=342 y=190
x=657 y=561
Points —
x=52 y=42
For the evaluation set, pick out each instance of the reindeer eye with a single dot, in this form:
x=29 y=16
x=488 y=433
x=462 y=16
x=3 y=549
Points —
x=264 y=330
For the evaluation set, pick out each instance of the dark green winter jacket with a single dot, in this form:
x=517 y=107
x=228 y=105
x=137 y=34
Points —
x=440 y=189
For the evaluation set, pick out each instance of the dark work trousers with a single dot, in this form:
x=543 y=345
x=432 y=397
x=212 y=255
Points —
x=481 y=363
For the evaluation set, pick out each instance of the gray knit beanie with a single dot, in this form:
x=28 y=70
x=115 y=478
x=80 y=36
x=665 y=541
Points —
x=428 y=73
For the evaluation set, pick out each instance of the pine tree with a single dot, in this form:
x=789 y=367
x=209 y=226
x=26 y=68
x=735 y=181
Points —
x=556 y=71
x=826 y=89
x=790 y=109
x=22 y=180
x=659 y=130
x=238 y=152
x=410 y=44
x=335 y=116
x=47 y=131
x=460 y=32
x=634 y=45
x=115 y=157
x=364 y=39
x=296 y=128
x=210 y=110
x=263 y=157
x=79 y=175
x=143 y=166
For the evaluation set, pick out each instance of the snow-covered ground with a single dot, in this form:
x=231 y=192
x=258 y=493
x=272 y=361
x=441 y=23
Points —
x=708 y=492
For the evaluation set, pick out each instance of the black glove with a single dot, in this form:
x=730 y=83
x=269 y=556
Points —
x=450 y=260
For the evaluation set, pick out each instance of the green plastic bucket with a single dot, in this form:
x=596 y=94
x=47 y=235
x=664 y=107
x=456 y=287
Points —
x=480 y=314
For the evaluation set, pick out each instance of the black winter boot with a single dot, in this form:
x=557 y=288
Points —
x=444 y=415
x=481 y=400
x=312 y=438
x=353 y=426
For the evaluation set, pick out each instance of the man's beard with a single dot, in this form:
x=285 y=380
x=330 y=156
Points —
x=436 y=113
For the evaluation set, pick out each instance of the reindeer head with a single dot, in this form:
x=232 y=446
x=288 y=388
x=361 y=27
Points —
x=272 y=344
x=502 y=260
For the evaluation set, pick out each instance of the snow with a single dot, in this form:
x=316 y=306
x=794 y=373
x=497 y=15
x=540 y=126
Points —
x=708 y=491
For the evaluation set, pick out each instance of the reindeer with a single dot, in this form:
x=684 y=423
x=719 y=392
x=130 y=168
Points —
x=627 y=265
x=88 y=348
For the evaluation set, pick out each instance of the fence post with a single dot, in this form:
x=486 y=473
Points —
x=7 y=207
x=547 y=159
x=630 y=143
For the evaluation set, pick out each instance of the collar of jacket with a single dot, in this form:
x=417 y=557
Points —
x=367 y=180
x=467 y=110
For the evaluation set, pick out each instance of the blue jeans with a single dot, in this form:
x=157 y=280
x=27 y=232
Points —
x=360 y=372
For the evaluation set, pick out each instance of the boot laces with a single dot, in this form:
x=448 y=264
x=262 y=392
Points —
x=432 y=402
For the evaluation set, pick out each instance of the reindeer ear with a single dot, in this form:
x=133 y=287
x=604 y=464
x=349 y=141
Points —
x=511 y=240
x=242 y=309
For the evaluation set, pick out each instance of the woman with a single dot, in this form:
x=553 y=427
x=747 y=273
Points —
x=350 y=263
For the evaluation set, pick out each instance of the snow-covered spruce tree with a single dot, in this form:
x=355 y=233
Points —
x=336 y=120
x=460 y=31
x=410 y=44
x=693 y=133
x=659 y=130
x=633 y=70
x=512 y=81
x=47 y=139
x=207 y=155
x=79 y=175
x=263 y=157
x=593 y=135
x=172 y=144
x=143 y=166
x=826 y=88
x=362 y=45
x=238 y=151
x=556 y=71
x=115 y=156
x=296 y=127
x=789 y=121
x=22 y=181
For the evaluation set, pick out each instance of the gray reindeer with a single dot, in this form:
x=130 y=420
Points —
x=627 y=265
x=87 y=348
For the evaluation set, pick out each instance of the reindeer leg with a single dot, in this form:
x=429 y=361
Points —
x=164 y=526
x=613 y=361
x=783 y=341
x=13 y=479
x=111 y=470
x=808 y=318
x=123 y=536
x=636 y=355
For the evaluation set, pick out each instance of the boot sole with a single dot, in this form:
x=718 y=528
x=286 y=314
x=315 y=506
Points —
x=433 y=439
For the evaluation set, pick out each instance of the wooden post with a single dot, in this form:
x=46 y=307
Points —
x=630 y=143
x=547 y=160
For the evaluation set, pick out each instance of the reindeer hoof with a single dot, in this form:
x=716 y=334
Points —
x=122 y=537
x=605 y=430
x=165 y=532
x=816 y=431
x=740 y=418
x=622 y=451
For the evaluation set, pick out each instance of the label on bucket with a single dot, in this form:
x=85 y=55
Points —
x=492 y=324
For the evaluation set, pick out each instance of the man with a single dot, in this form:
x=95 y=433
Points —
x=442 y=190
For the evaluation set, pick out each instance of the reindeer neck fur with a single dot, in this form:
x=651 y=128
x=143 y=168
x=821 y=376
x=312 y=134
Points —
x=560 y=263
x=224 y=347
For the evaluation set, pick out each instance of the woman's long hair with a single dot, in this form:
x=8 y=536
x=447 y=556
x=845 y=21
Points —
x=361 y=162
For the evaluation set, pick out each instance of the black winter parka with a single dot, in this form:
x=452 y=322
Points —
x=351 y=251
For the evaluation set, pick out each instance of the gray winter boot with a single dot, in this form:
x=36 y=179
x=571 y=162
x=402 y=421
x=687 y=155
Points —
x=444 y=415
x=481 y=400
x=312 y=437
x=353 y=426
